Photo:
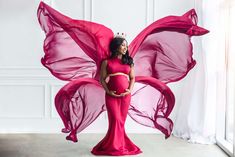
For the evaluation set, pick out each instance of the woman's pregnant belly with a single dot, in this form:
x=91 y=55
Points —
x=118 y=83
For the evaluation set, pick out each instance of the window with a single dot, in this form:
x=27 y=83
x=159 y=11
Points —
x=226 y=78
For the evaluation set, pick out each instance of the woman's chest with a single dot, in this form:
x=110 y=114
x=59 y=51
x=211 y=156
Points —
x=115 y=65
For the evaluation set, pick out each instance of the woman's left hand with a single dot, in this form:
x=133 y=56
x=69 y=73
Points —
x=128 y=91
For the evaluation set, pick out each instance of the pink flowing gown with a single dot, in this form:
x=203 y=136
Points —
x=116 y=141
x=74 y=50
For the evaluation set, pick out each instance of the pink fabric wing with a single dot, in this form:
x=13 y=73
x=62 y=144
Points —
x=73 y=48
x=152 y=103
x=79 y=103
x=162 y=53
x=163 y=50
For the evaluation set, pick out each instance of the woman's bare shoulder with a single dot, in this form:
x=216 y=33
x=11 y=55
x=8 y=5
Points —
x=104 y=62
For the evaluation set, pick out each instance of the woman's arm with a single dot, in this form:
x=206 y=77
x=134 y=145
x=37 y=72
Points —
x=131 y=82
x=103 y=75
x=132 y=78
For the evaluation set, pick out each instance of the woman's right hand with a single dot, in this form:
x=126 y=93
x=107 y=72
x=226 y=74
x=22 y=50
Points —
x=112 y=93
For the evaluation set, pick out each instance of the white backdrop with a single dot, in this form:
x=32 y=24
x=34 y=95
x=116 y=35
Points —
x=27 y=89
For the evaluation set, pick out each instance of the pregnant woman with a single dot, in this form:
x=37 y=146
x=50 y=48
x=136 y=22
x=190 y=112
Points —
x=118 y=69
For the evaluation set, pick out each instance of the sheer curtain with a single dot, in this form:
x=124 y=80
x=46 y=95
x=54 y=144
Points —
x=204 y=97
x=225 y=73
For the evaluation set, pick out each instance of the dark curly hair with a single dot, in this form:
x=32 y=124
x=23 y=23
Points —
x=113 y=47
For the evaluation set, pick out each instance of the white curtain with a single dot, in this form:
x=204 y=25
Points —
x=203 y=91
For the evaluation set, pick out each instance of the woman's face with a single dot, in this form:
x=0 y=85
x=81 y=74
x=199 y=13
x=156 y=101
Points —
x=123 y=48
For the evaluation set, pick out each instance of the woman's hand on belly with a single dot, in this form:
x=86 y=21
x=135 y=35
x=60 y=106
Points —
x=113 y=93
x=126 y=93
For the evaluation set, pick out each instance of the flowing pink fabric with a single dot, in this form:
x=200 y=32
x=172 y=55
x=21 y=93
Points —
x=74 y=50
x=163 y=49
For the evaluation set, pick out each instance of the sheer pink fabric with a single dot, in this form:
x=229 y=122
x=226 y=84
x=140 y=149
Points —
x=163 y=50
x=74 y=50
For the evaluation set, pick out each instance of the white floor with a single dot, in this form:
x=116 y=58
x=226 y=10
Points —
x=55 y=145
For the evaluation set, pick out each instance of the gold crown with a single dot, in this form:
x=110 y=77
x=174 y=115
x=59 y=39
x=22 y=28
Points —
x=120 y=35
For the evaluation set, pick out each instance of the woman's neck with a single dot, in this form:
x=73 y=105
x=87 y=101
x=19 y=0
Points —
x=119 y=56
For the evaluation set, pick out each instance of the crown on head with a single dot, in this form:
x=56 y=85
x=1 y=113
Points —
x=120 y=35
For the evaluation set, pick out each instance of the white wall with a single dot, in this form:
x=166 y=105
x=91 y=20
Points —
x=27 y=89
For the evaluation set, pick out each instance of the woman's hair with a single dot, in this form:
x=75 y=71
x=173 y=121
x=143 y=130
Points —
x=114 y=45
